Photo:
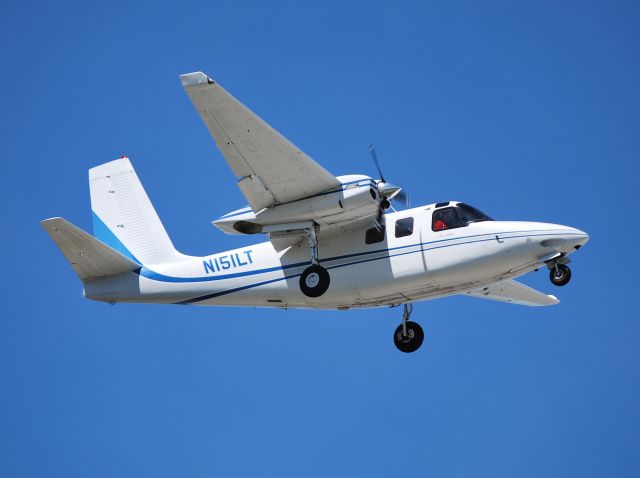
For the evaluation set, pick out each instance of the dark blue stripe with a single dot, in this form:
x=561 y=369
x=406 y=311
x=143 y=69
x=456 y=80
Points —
x=250 y=286
x=236 y=289
x=149 y=274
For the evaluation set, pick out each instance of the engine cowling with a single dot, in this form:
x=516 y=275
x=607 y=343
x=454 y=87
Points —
x=357 y=198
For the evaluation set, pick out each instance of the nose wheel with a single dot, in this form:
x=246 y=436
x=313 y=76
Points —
x=315 y=279
x=409 y=336
x=560 y=275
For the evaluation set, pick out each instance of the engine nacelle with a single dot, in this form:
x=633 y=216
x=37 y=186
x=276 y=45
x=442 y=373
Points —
x=356 y=198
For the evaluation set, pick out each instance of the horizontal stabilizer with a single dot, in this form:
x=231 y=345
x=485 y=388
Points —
x=514 y=293
x=90 y=258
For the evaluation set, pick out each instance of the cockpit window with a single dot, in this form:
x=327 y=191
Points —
x=446 y=218
x=471 y=214
x=457 y=216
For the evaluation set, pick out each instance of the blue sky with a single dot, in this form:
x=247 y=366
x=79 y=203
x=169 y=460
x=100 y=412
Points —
x=527 y=110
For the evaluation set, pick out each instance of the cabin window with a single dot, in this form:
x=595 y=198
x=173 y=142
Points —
x=404 y=227
x=446 y=218
x=374 y=235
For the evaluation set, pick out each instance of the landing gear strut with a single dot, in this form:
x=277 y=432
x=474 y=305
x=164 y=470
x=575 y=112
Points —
x=409 y=335
x=315 y=279
x=560 y=274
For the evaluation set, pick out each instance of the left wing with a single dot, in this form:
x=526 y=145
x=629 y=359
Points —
x=270 y=169
x=514 y=293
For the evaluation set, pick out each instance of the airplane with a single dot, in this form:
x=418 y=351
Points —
x=334 y=242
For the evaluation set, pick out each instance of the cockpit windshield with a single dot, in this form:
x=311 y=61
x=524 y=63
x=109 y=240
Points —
x=471 y=214
x=455 y=216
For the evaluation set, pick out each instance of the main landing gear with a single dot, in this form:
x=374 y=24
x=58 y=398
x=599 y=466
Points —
x=560 y=274
x=409 y=336
x=315 y=279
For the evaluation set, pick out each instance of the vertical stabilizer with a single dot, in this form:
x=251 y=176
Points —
x=123 y=216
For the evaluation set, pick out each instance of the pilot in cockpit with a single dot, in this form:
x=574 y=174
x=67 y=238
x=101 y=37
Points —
x=458 y=215
x=439 y=224
x=445 y=218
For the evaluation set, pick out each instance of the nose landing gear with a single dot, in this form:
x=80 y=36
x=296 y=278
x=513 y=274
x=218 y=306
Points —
x=409 y=336
x=315 y=279
x=560 y=274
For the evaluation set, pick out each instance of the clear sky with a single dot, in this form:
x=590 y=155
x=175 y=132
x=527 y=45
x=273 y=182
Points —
x=527 y=110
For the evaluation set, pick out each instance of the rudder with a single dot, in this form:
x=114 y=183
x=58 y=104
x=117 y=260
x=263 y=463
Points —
x=123 y=216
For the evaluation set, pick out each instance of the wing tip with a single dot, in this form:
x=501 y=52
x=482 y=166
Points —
x=51 y=222
x=194 y=79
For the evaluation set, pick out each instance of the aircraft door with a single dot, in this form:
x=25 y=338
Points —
x=397 y=267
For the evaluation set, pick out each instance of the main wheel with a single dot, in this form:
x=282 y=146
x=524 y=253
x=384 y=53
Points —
x=314 y=281
x=410 y=342
x=560 y=275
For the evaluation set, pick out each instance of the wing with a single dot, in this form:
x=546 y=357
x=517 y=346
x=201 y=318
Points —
x=270 y=169
x=514 y=293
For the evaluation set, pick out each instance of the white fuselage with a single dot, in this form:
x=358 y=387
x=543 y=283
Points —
x=420 y=266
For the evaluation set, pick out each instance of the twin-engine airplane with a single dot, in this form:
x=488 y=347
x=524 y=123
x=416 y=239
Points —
x=331 y=244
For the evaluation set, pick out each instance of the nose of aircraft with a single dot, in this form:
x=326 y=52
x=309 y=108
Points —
x=576 y=237
x=569 y=238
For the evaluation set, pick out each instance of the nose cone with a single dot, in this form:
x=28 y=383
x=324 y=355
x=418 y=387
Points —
x=388 y=190
x=566 y=239
x=576 y=238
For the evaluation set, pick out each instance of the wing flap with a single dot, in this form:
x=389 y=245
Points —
x=89 y=258
x=279 y=171
x=254 y=190
x=514 y=292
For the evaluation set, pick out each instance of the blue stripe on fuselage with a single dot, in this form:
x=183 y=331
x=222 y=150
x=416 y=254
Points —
x=289 y=266
x=149 y=274
x=154 y=276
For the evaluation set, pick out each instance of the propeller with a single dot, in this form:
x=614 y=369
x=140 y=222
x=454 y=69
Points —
x=372 y=150
x=387 y=191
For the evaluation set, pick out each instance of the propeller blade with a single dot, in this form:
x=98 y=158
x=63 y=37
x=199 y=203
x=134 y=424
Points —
x=372 y=150
x=387 y=191
x=402 y=196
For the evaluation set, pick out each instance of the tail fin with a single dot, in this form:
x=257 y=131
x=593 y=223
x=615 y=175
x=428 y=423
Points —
x=123 y=216
x=90 y=258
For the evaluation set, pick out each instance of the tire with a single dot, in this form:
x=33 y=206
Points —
x=413 y=340
x=560 y=275
x=314 y=281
